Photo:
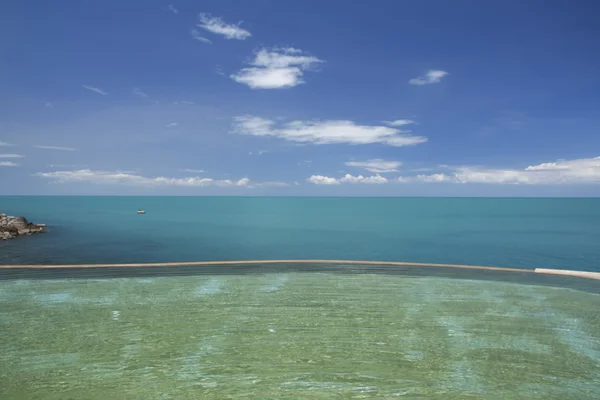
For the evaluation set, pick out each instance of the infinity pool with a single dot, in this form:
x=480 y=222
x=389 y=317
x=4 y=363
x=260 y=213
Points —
x=291 y=335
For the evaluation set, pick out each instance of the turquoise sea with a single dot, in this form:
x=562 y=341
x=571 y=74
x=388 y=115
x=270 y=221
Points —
x=523 y=233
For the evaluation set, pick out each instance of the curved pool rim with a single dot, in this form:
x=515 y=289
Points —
x=546 y=271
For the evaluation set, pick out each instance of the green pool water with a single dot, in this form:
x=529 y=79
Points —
x=296 y=336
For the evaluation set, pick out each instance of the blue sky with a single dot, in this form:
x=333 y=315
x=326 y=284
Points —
x=384 y=98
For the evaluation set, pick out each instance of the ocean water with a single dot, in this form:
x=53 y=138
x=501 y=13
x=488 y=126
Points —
x=520 y=233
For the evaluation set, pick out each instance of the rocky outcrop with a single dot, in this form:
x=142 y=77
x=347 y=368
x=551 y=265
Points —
x=11 y=227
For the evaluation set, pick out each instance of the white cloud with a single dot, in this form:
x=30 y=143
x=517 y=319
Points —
x=325 y=132
x=5 y=144
x=322 y=180
x=275 y=69
x=171 y=125
x=94 y=89
x=579 y=171
x=217 y=26
x=188 y=103
x=11 y=156
x=431 y=76
x=196 y=35
x=426 y=178
x=48 y=104
x=139 y=92
x=243 y=182
x=56 y=148
x=173 y=9
x=126 y=178
x=326 y=180
x=376 y=165
x=195 y=171
x=377 y=179
x=399 y=122
x=8 y=164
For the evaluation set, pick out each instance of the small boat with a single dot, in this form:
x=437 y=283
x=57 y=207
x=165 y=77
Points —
x=141 y=212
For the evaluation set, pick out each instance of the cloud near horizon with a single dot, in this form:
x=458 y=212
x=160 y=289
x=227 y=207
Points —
x=376 y=165
x=60 y=148
x=562 y=172
x=579 y=171
x=126 y=178
x=11 y=156
x=276 y=69
x=325 y=132
x=326 y=180
x=431 y=76
x=217 y=26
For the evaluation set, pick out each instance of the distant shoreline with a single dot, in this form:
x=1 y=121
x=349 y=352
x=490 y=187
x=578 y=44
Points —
x=545 y=271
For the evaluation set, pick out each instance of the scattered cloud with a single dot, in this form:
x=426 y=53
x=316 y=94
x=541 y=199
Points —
x=8 y=164
x=579 y=171
x=325 y=132
x=5 y=144
x=194 y=171
x=258 y=153
x=326 y=180
x=107 y=177
x=421 y=170
x=217 y=26
x=322 y=180
x=377 y=165
x=275 y=69
x=219 y=71
x=196 y=35
x=188 y=103
x=48 y=104
x=269 y=184
x=173 y=9
x=64 y=166
x=431 y=76
x=139 y=92
x=426 y=178
x=11 y=156
x=56 y=148
x=171 y=125
x=94 y=89
x=400 y=122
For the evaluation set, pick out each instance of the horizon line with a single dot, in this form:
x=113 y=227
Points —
x=300 y=196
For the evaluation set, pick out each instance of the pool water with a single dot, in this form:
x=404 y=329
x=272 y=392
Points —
x=291 y=335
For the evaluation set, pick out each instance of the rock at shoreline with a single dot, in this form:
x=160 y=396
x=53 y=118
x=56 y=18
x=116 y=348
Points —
x=11 y=227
